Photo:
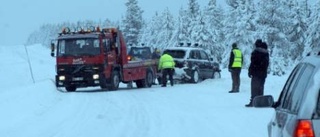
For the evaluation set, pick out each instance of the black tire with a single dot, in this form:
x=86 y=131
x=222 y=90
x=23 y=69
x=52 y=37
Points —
x=195 y=78
x=114 y=81
x=103 y=82
x=139 y=84
x=216 y=75
x=148 y=80
x=71 y=88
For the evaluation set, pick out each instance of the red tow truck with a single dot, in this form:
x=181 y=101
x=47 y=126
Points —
x=98 y=57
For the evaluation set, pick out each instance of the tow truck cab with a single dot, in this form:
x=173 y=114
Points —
x=93 y=58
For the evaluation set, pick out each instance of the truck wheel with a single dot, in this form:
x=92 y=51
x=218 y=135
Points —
x=71 y=88
x=114 y=81
x=195 y=78
x=147 y=82
x=103 y=82
x=216 y=75
x=149 y=79
x=139 y=84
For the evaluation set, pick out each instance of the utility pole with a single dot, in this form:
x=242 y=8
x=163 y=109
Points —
x=30 y=67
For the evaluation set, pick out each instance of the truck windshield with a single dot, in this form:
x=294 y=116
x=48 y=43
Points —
x=78 y=47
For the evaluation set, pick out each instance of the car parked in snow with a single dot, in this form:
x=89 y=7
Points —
x=297 y=111
x=193 y=64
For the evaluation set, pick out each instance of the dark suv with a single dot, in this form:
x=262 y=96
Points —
x=193 y=64
x=297 y=111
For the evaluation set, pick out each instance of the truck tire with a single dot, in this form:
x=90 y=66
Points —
x=71 y=88
x=195 y=78
x=147 y=82
x=114 y=81
x=103 y=81
x=149 y=79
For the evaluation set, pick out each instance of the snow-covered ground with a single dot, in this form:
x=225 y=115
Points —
x=34 y=108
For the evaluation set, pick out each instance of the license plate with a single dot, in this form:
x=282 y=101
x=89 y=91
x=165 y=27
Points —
x=77 y=79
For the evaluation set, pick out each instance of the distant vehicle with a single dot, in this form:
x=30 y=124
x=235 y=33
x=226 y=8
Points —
x=193 y=64
x=98 y=58
x=297 y=111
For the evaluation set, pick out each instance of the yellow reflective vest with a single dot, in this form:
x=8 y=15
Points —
x=237 y=62
x=166 y=61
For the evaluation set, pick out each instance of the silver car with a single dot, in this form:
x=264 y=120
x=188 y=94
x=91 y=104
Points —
x=297 y=111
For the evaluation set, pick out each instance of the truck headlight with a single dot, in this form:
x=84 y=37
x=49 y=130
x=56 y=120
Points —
x=62 y=78
x=95 y=76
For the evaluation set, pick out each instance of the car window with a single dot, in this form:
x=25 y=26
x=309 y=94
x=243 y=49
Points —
x=282 y=102
x=299 y=87
x=194 y=54
x=179 y=54
x=318 y=105
x=203 y=55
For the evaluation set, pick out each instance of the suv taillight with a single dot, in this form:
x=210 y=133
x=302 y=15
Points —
x=304 y=129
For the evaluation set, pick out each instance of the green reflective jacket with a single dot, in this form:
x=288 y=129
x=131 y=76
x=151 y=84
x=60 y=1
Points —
x=166 y=61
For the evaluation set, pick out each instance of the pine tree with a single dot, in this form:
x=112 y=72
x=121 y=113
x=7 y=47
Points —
x=213 y=16
x=150 y=32
x=194 y=16
x=313 y=32
x=133 y=22
x=273 y=23
x=240 y=28
x=181 y=34
x=167 y=28
x=296 y=28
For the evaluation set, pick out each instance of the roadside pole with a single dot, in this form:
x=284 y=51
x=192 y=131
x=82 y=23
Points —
x=30 y=67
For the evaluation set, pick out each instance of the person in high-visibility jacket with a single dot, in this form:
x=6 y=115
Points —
x=166 y=65
x=235 y=65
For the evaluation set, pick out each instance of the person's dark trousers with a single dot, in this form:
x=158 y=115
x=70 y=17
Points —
x=165 y=72
x=257 y=86
x=235 y=75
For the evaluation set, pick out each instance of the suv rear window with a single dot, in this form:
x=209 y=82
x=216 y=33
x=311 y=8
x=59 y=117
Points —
x=179 y=54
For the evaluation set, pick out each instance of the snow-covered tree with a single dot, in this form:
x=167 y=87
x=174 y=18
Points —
x=213 y=16
x=182 y=27
x=167 y=29
x=295 y=29
x=194 y=17
x=313 y=32
x=132 y=22
x=151 y=30
x=240 y=27
x=273 y=22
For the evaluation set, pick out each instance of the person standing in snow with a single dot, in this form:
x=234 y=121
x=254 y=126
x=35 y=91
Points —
x=235 y=65
x=258 y=69
x=156 y=55
x=166 y=65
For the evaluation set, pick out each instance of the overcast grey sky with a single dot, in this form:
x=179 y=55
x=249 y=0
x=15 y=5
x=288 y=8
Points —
x=18 y=18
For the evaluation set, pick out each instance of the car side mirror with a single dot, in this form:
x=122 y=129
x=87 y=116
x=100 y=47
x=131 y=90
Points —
x=263 y=101
x=52 y=49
